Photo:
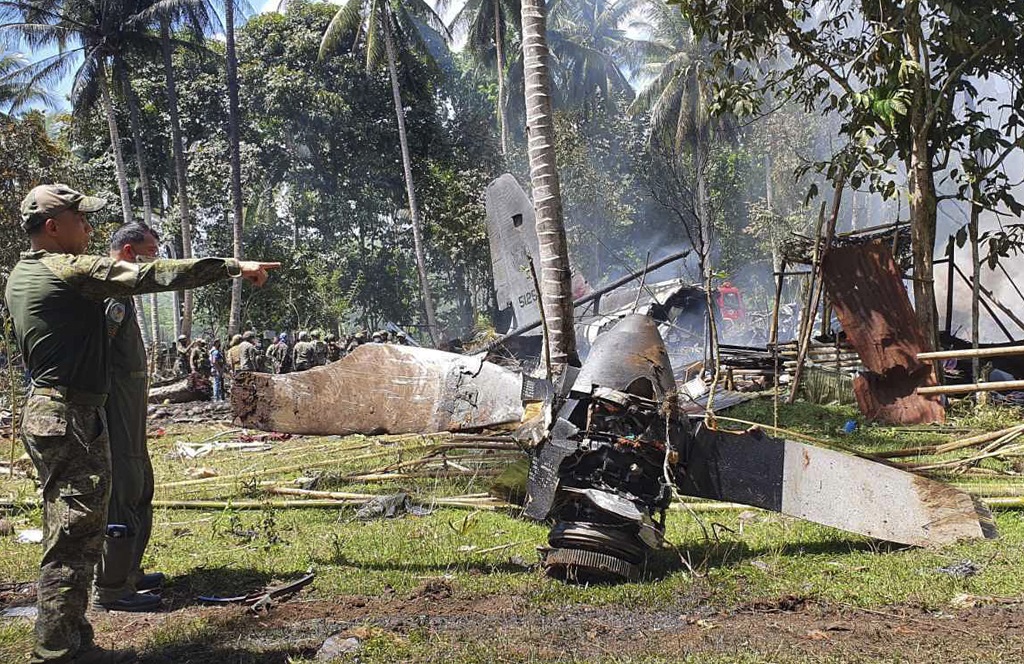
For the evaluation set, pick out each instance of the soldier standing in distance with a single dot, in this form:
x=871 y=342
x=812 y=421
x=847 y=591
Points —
x=277 y=354
x=199 y=360
x=182 y=349
x=56 y=298
x=333 y=349
x=319 y=349
x=248 y=356
x=304 y=353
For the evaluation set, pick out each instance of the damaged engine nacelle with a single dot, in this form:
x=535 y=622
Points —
x=605 y=475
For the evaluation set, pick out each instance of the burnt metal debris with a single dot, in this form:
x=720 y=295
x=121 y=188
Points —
x=385 y=388
x=880 y=324
x=619 y=444
x=612 y=450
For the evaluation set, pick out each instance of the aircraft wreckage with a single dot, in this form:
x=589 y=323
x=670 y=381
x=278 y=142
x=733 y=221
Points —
x=614 y=448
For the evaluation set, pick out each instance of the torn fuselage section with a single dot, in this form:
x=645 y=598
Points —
x=604 y=477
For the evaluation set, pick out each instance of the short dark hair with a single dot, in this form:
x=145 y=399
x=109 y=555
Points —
x=132 y=233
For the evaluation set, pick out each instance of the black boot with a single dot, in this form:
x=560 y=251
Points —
x=134 y=602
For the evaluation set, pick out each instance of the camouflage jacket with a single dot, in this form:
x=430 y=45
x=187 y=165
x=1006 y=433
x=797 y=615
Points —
x=57 y=305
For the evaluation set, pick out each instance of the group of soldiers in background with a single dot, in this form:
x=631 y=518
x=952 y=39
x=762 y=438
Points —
x=248 y=352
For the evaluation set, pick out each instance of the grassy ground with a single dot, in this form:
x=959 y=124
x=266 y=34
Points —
x=462 y=584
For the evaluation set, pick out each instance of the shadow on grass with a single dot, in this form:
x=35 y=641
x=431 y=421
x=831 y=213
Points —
x=185 y=590
x=235 y=638
x=725 y=553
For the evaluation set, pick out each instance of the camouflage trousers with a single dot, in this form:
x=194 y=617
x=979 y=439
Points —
x=69 y=447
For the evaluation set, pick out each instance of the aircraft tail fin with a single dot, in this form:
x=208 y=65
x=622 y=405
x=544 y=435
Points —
x=512 y=231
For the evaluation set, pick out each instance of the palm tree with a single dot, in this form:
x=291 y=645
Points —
x=487 y=24
x=677 y=96
x=235 y=159
x=373 y=22
x=197 y=18
x=17 y=90
x=555 y=277
x=593 y=53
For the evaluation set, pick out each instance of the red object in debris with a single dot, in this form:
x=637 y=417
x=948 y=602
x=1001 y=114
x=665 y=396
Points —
x=158 y=433
x=730 y=302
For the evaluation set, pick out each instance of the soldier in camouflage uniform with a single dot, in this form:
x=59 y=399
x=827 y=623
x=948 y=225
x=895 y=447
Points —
x=56 y=298
x=303 y=353
x=333 y=348
x=248 y=355
x=319 y=349
x=277 y=355
x=199 y=360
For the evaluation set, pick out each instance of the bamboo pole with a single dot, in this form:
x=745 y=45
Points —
x=805 y=338
x=966 y=353
x=994 y=386
x=295 y=504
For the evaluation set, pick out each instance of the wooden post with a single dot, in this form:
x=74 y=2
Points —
x=950 y=257
x=805 y=340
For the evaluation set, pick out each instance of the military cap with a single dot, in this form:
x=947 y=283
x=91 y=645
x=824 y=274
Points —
x=249 y=335
x=361 y=334
x=303 y=335
x=331 y=337
x=46 y=200
x=235 y=340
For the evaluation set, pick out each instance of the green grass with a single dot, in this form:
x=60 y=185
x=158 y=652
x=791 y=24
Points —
x=757 y=557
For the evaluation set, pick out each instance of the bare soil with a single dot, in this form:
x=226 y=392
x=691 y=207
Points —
x=513 y=628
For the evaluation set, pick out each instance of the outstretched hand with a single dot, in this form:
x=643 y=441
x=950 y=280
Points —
x=256 y=272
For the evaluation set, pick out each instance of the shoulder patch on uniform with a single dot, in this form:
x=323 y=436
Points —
x=116 y=312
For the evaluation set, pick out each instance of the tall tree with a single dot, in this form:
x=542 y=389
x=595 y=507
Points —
x=373 y=22
x=235 y=159
x=892 y=70
x=197 y=19
x=555 y=272
x=489 y=26
x=594 y=54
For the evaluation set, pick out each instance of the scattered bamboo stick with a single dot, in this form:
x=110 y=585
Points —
x=950 y=446
x=994 y=386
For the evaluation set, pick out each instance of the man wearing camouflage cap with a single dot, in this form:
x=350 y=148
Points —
x=56 y=296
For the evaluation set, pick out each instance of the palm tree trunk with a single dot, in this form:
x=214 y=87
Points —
x=500 y=52
x=414 y=211
x=115 y=147
x=555 y=276
x=234 y=319
x=136 y=129
x=122 y=182
x=180 y=171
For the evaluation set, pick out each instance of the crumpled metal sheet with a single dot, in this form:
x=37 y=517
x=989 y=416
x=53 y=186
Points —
x=872 y=304
x=629 y=352
x=382 y=388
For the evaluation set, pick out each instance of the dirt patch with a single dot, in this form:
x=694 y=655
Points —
x=516 y=628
